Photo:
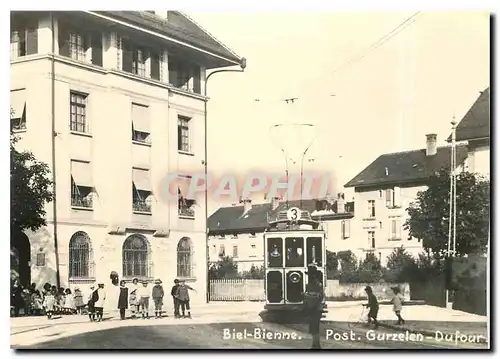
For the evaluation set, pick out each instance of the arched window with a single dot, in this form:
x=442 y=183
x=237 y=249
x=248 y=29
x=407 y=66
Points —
x=80 y=256
x=136 y=257
x=184 y=258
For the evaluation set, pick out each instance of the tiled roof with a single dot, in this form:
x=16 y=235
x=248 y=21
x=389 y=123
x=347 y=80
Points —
x=476 y=122
x=406 y=167
x=179 y=26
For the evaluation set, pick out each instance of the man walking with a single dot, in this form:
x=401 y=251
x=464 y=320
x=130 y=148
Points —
x=173 y=292
x=313 y=300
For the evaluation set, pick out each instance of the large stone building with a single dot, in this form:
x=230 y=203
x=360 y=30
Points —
x=113 y=102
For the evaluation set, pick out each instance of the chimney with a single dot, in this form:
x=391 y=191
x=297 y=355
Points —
x=431 y=148
x=340 y=203
x=247 y=204
x=275 y=203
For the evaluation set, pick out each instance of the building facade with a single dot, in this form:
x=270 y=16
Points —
x=113 y=102
x=384 y=191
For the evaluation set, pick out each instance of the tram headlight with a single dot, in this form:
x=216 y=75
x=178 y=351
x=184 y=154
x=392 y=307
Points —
x=294 y=277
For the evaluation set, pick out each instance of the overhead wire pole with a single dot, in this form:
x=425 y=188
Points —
x=452 y=212
x=243 y=65
x=302 y=163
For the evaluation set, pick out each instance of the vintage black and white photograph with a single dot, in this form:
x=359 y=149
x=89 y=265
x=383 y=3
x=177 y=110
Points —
x=250 y=180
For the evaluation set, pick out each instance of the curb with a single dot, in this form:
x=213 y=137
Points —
x=424 y=331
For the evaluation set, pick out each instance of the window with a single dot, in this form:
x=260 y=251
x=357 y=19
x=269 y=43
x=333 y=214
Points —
x=80 y=44
x=141 y=191
x=294 y=252
x=392 y=197
x=80 y=256
x=371 y=208
x=134 y=58
x=136 y=262
x=40 y=259
x=179 y=74
x=186 y=205
x=183 y=134
x=389 y=196
x=371 y=239
x=77 y=46
x=78 y=112
x=234 y=236
x=235 y=251
x=380 y=225
x=81 y=185
x=395 y=231
x=253 y=251
x=18 y=110
x=346 y=229
x=140 y=123
x=222 y=251
x=184 y=258
x=24 y=38
x=155 y=66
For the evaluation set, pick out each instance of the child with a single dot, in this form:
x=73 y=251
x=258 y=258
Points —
x=123 y=299
x=397 y=302
x=133 y=298
x=183 y=297
x=49 y=303
x=91 y=303
x=69 y=303
x=36 y=302
x=158 y=294
x=99 y=297
x=373 y=305
x=60 y=299
x=143 y=294
x=78 y=300
x=173 y=292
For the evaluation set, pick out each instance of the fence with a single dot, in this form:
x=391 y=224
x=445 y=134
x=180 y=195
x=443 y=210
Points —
x=253 y=290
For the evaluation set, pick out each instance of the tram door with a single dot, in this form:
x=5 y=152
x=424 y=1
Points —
x=316 y=254
x=275 y=286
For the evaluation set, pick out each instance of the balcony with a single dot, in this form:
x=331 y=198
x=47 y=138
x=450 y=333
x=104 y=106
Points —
x=141 y=207
x=80 y=202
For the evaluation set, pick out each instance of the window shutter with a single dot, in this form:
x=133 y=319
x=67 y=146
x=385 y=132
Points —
x=32 y=41
x=388 y=197
x=196 y=80
x=127 y=57
x=155 y=66
x=179 y=137
x=342 y=229
x=172 y=73
x=63 y=42
x=96 y=43
x=398 y=229
x=397 y=196
x=347 y=229
x=393 y=229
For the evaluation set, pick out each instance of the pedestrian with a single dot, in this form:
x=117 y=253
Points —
x=69 y=303
x=49 y=303
x=78 y=300
x=91 y=303
x=60 y=299
x=313 y=300
x=183 y=297
x=373 y=305
x=17 y=297
x=397 y=304
x=36 y=303
x=123 y=299
x=158 y=294
x=173 y=292
x=133 y=297
x=100 y=297
x=143 y=295
x=26 y=304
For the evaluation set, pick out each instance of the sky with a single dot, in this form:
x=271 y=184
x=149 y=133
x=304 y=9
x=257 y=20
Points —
x=385 y=99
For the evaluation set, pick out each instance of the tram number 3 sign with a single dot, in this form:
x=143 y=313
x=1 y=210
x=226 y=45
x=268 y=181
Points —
x=293 y=214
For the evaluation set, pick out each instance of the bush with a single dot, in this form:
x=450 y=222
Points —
x=401 y=267
x=370 y=270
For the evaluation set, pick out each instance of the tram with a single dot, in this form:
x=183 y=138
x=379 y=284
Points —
x=292 y=242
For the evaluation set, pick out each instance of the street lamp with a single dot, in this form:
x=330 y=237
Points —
x=243 y=65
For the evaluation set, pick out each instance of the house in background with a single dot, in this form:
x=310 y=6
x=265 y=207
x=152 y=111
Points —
x=474 y=129
x=383 y=192
x=112 y=101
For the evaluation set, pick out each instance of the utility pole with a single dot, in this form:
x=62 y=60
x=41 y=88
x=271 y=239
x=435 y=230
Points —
x=452 y=225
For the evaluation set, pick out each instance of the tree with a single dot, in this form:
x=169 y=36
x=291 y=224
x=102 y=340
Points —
x=401 y=266
x=348 y=267
x=224 y=268
x=254 y=273
x=332 y=263
x=429 y=215
x=30 y=190
x=370 y=270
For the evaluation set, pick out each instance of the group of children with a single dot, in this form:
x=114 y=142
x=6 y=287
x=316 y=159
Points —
x=397 y=305
x=138 y=298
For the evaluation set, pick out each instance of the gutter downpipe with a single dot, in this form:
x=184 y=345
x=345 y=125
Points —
x=243 y=64
x=53 y=114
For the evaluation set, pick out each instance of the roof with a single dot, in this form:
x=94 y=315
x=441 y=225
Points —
x=406 y=167
x=233 y=219
x=180 y=27
x=476 y=122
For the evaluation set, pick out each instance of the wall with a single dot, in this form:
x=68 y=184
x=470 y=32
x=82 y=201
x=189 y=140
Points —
x=253 y=289
x=478 y=160
x=247 y=256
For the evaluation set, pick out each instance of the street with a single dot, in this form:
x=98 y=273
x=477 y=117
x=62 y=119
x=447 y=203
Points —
x=197 y=333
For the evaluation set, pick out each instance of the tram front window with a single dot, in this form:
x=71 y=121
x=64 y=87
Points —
x=275 y=252
x=314 y=251
x=294 y=252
